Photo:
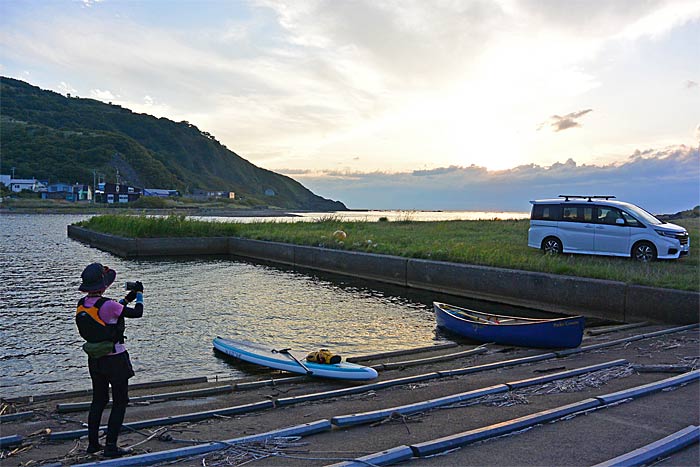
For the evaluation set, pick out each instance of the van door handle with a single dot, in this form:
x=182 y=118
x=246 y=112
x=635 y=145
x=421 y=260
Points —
x=589 y=226
x=600 y=227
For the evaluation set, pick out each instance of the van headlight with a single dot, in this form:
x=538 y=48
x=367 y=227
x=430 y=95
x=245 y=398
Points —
x=665 y=233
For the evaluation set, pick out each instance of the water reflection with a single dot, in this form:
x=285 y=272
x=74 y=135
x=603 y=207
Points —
x=188 y=301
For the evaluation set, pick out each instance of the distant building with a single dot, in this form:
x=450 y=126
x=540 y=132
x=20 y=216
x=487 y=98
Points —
x=161 y=193
x=77 y=192
x=59 y=187
x=83 y=191
x=20 y=184
x=270 y=192
x=5 y=180
x=206 y=194
x=58 y=191
x=114 y=193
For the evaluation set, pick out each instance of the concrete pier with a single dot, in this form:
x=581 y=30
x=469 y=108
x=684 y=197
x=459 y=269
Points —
x=549 y=292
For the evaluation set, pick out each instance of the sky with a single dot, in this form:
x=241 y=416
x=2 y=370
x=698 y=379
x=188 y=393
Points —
x=405 y=104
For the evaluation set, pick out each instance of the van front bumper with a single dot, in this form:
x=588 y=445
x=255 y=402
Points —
x=672 y=248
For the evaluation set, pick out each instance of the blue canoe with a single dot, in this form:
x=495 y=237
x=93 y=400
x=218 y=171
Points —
x=557 y=333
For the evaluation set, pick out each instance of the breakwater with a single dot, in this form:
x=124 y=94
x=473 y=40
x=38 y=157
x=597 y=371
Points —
x=549 y=292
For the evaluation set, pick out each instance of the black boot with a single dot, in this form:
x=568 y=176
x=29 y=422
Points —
x=93 y=448
x=112 y=450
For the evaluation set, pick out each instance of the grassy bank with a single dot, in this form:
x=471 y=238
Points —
x=490 y=243
x=143 y=206
x=178 y=205
x=160 y=226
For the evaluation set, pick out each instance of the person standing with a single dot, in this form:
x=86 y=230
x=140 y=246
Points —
x=100 y=322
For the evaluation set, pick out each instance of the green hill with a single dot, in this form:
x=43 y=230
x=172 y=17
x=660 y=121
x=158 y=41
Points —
x=50 y=136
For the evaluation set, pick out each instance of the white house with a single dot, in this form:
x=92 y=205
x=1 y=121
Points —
x=32 y=184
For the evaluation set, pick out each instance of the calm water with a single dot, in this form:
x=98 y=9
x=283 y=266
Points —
x=187 y=303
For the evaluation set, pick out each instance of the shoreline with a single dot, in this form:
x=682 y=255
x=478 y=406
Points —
x=205 y=212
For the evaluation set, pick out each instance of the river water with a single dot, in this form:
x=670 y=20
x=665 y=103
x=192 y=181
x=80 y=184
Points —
x=188 y=301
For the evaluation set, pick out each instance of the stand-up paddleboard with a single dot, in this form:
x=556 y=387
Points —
x=291 y=361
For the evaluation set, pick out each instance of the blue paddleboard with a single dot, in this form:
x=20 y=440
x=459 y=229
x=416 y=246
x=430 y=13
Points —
x=266 y=356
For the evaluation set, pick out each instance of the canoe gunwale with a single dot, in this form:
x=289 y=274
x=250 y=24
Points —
x=561 y=333
x=522 y=321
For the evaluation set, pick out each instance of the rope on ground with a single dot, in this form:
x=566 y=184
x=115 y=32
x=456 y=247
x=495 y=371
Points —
x=157 y=432
x=578 y=383
x=405 y=419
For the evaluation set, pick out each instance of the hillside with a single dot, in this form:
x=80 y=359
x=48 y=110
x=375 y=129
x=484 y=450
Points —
x=49 y=136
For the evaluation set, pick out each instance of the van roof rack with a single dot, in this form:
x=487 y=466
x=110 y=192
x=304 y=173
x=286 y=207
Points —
x=589 y=197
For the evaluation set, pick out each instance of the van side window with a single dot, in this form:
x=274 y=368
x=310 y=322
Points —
x=577 y=213
x=546 y=212
x=608 y=215
x=631 y=221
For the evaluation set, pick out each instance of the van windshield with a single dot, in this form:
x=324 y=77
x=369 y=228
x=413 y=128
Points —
x=642 y=215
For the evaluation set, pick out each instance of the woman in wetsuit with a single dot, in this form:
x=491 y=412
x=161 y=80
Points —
x=101 y=322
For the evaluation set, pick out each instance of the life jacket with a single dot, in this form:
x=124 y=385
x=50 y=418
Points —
x=92 y=328
x=323 y=356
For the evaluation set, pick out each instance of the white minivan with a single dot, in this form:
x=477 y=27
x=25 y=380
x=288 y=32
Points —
x=598 y=225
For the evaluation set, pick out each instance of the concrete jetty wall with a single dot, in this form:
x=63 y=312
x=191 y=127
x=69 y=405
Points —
x=549 y=292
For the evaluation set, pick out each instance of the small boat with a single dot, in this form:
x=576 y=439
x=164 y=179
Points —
x=557 y=333
x=287 y=360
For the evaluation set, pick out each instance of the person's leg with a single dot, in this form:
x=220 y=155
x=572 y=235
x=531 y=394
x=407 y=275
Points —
x=120 y=372
x=100 y=398
x=120 y=399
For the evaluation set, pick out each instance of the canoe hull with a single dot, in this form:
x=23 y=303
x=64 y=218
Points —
x=264 y=356
x=559 y=333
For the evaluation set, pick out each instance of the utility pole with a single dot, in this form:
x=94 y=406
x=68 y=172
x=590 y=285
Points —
x=94 y=185
x=13 y=173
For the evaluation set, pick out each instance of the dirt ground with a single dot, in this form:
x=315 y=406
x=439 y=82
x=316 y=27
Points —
x=582 y=440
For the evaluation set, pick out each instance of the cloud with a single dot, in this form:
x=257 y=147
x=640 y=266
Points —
x=315 y=83
x=691 y=84
x=105 y=96
x=558 y=123
x=662 y=181
x=65 y=88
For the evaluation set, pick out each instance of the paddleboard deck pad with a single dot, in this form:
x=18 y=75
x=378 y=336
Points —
x=264 y=355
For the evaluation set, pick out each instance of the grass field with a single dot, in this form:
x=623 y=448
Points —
x=495 y=243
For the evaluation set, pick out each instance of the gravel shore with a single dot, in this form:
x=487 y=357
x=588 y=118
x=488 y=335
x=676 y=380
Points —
x=581 y=440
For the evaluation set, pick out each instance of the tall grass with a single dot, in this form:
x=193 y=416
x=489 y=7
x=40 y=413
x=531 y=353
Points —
x=153 y=227
x=498 y=243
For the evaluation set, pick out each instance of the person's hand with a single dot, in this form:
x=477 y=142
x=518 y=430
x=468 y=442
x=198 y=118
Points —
x=139 y=287
x=131 y=296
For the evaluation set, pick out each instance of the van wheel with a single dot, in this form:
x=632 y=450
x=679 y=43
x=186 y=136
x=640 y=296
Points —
x=552 y=246
x=644 y=252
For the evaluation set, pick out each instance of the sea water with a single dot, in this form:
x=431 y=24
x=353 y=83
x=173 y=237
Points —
x=188 y=302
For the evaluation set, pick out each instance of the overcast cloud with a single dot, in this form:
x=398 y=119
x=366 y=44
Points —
x=664 y=181
x=378 y=85
x=431 y=104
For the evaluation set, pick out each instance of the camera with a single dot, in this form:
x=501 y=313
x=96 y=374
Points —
x=137 y=286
